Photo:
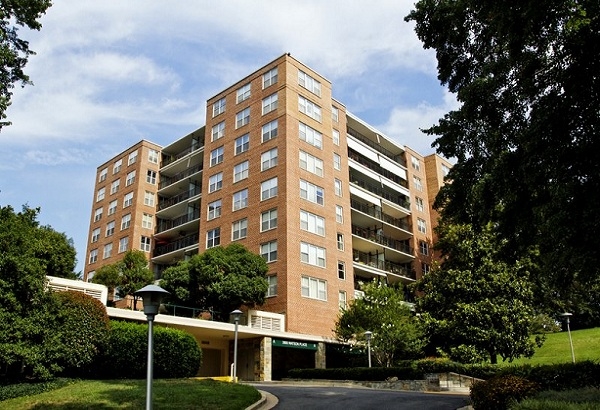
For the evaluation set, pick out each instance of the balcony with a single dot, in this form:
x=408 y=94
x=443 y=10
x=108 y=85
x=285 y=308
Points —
x=376 y=189
x=181 y=243
x=166 y=224
x=166 y=181
x=377 y=237
x=375 y=261
x=373 y=166
x=168 y=202
x=377 y=213
x=397 y=158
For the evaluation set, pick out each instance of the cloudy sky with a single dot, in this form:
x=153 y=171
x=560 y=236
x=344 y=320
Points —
x=110 y=73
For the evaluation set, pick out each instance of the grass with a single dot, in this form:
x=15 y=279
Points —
x=176 y=394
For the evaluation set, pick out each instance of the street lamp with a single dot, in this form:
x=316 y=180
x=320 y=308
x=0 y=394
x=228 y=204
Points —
x=566 y=315
x=368 y=336
x=151 y=296
x=236 y=319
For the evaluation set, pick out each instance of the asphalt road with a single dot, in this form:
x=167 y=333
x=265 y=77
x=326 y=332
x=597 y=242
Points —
x=345 y=398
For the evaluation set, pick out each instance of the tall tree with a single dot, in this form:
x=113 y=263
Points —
x=221 y=278
x=14 y=51
x=527 y=75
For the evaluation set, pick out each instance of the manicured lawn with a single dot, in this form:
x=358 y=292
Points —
x=176 y=394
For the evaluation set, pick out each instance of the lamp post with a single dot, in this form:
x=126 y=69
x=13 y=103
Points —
x=368 y=336
x=566 y=315
x=152 y=296
x=236 y=319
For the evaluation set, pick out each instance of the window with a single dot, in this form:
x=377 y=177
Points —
x=219 y=107
x=417 y=183
x=312 y=254
x=112 y=207
x=240 y=199
x=215 y=182
x=97 y=214
x=153 y=156
x=100 y=194
x=145 y=243
x=419 y=204
x=216 y=156
x=102 y=175
x=337 y=161
x=240 y=171
x=239 y=229
x=242 y=144
x=309 y=83
x=269 y=104
x=335 y=114
x=93 y=255
x=425 y=268
x=130 y=178
x=132 y=157
x=269 y=131
x=218 y=131
x=128 y=200
x=149 y=198
x=147 y=220
x=424 y=248
x=310 y=135
x=269 y=78
x=151 y=177
x=125 y=221
x=341 y=268
x=309 y=108
x=311 y=192
x=268 y=159
x=213 y=238
x=107 y=251
x=421 y=225
x=268 y=220
x=123 y=243
x=110 y=228
x=340 y=241
x=117 y=166
x=272 y=289
x=269 y=251
x=242 y=118
x=243 y=93
x=335 y=136
x=311 y=163
x=415 y=163
x=95 y=235
x=312 y=223
x=314 y=288
x=114 y=186
x=337 y=185
x=342 y=300
x=214 y=209
x=339 y=214
x=268 y=189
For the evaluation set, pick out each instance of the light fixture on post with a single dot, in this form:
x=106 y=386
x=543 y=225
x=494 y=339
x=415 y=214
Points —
x=368 y=336
x=567 y=315
x=236 y=314
x=151 y=295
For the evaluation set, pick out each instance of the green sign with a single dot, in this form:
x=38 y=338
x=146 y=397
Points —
x=294 y=344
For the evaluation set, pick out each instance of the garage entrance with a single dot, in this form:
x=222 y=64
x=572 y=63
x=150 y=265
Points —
x=291 y=354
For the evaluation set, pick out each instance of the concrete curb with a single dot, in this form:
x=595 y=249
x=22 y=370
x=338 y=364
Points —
x=267 y=401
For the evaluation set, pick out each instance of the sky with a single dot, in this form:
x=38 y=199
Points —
x=110 y=73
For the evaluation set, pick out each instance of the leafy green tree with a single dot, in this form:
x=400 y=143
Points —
x=525 y=137
x=396 y=333
x=476 y=306
x=221 y=278
x=14 y=51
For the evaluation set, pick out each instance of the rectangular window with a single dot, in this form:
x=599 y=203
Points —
x=218 y=131
x=151 y=177
x=132 y=157
x=240 y=171
x=123 y=243
x=240 y=199
x=269 y=78
x=112 y=207
x=337 y=161
x=342 y=300
x=130 y=178
x=107 y=251
x=117 y=166
x=312 y=254
x=114 y=186
x=110 y=228
x=314 y=288
x=102 y=175
x=421 y=225
x=309 y=83
x=268 y=189
x=93 y=255
x=242 y=118
x=418 y=184
x=242 y=144
x=215 y=182
x=310 y=135
x=424 y=248
x=100 y=194
x=145 y=243
x=216 y=156
x=335 y=136
x=415 y=163
x=125 y=221
x=219 y=107
x=213 y=238
x=268 y=220
x=239 y=229
x=425 y=268
x=312 y=223
x=340 y=241
x=153 y=156
x=339 y=214
x=309 y=108
x=147 y=220
x=268 y=159
x=243 y=93
x=269 y=104
x=149 y=198
x=269 y=131
x=128 y=200
x=214 y=209
x=335 y=114
x=311 y=192
x=269 y=251
x=419 y=204
x=311 y=163
x=337 y=185
x=272 y=289
x=97 y=214
x=95 y=235
x=341 y=268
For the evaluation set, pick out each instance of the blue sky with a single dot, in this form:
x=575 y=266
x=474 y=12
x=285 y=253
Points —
x=110 y=73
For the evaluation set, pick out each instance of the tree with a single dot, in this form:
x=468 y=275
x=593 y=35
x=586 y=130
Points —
x=14 y=51
x=476 y=306
x=396 y=333
x=527 y=75
x=221 y=278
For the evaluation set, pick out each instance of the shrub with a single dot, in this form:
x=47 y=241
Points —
x=563 y=376
x=500 y=392
x=11 y=391
x=358 y=373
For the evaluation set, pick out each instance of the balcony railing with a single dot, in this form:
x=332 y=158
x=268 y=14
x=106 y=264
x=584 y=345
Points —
x=172 y=158
x=181 y=243
x=374 y=262
x=166 y=224
x=398 y=158
x=372 y=165
x=166 y=181
x=178 y=198
x=377 y=237
x=377 y=190
x=376 y=212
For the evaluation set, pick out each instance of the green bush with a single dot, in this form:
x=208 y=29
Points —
x=563 y=376
x=358 y=373
x=498 y=393
x=444 y=365
x=579 y=399
x=10 y=391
